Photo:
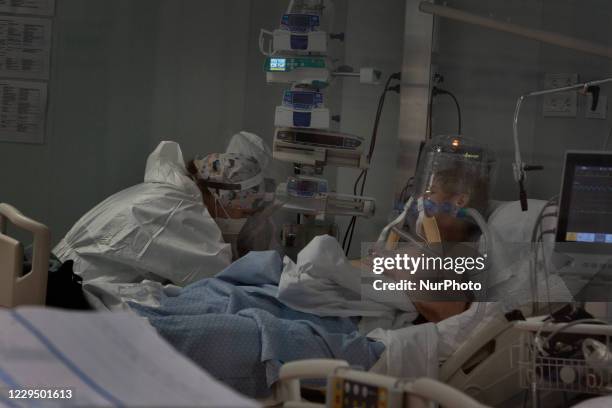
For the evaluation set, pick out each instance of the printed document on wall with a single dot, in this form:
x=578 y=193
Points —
x=22 y=111
x=39 y=7
x=25 y=45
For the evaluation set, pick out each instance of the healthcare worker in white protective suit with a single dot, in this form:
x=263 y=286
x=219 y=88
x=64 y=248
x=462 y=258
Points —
x=135 y=242
x=158 y=230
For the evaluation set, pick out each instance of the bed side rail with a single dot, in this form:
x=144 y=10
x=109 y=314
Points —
x=17 y=288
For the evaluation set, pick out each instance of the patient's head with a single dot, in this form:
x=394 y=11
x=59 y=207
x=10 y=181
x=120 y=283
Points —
x=451 y=190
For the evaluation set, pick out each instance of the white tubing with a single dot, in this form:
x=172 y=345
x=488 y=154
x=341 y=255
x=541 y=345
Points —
x=482 y=224
x=384 y=234
x=518 y=163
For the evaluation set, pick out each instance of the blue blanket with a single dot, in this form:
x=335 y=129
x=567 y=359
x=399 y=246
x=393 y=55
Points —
x=233 y=326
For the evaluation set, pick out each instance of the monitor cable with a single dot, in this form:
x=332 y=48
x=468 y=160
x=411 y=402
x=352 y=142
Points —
x=348 y=235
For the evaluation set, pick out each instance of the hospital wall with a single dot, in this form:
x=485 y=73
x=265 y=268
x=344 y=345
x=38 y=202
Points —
x=552 y=136
x=200 y=73
x=98 y=119
x=374 y=38
x=125 y=75
x=488 y=70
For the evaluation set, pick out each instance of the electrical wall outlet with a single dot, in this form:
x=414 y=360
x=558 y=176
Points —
x=563 y=104
x=601 y=110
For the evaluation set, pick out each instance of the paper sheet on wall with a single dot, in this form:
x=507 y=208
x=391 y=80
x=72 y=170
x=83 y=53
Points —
x=38 y=7
x=23 y=107
x=25 y=45
x=104 y=359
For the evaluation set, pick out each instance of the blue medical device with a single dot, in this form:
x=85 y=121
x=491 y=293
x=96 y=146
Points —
x=303 y=99
x=306 y=187
x=300 y=23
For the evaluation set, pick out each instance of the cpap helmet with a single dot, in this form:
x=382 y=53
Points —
x=454 y=173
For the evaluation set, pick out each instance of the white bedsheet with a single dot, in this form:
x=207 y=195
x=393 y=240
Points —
x=104 y=295
x=600 y=402
x=410 y=352
x=323 y=282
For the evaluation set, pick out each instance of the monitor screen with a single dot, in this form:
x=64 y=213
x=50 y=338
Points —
x=585 y=213
x=303 y=98
x=299 y=20
x=278 y=64
x=307 y=186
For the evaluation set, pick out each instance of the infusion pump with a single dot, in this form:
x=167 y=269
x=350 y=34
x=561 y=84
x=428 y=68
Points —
x=318 y=148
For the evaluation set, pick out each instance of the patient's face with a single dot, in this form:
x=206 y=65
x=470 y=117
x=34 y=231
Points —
x=449 y=225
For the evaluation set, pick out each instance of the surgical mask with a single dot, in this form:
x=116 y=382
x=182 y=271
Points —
x=425 y=207
x=428 y=207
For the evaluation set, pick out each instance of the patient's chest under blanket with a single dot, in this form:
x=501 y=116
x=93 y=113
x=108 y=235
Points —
x=234 y=327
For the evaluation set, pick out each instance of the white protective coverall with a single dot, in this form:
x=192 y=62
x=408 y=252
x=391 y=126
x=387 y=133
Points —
x=159 y=230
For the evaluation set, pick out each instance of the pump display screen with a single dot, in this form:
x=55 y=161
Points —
x=303 y=98
x=299 y=20
x=324 y=140
x=306 y=186
x=278 y=64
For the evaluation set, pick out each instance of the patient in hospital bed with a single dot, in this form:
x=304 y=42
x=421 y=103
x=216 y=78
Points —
x=454 y=187
x=259 y=313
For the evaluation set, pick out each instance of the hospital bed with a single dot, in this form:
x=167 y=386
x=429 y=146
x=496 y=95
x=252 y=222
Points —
x=19 y=287
x=483 y=367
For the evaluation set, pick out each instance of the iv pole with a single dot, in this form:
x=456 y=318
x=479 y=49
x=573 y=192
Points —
x=519 y=166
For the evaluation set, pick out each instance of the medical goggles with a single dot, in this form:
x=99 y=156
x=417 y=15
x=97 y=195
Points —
x=243 y=185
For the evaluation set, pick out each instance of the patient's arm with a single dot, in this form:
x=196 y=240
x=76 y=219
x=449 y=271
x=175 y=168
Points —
x=433 y=311
x=438 y=311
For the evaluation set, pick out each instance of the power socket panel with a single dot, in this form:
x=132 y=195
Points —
x=563 y=104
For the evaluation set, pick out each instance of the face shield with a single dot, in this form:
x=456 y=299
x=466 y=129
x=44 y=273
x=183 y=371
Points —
x=454 y=175
x=239 y=189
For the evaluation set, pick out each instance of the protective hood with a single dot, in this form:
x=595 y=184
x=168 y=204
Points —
x=166 y=165
x=252 y=145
